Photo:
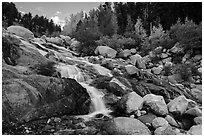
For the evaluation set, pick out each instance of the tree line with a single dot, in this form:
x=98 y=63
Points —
x=39 y=25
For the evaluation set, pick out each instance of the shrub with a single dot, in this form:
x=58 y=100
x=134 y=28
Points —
x=137 y=40
x=187 y=34
x=47 y=69
x=185 y=70
x=116 y=42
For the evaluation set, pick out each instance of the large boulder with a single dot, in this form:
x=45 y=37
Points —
x=125 y=53
x=138 y=61
x=126 y=126
x=58 y=41
x=105 y=51
x=178 y=105
x=131 y=102
x=21 y=31
x=27 y=96
x=194 y=112
x=156 y=103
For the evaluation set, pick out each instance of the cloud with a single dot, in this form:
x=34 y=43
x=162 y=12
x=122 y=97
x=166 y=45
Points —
x=58 y=21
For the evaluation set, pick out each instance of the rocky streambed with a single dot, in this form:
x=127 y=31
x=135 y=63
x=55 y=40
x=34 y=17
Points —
x=49 y=89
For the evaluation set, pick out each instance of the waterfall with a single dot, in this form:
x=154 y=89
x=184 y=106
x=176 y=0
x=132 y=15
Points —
x=71 y=71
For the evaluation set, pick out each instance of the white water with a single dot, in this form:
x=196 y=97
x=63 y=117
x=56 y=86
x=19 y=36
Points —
x=71 y=71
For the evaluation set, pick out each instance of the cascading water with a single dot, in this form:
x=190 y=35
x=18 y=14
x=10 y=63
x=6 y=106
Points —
x=71 y=71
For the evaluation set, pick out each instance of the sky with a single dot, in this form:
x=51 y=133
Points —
x=57 y=11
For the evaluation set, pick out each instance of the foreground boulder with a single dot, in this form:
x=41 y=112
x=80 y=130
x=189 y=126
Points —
x=27 y=97
x=21 y=31
x=156 y=103
x=126 y=126
x=131 y=102
x=105 y=51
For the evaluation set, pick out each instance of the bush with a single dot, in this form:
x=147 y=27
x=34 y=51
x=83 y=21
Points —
x=187 y=34
x=116 y=42
x=185 y=70
x=137 y=40
x=47 y=69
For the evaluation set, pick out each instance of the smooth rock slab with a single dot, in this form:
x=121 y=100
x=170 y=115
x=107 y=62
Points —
x=126 y=126
x=21 y=31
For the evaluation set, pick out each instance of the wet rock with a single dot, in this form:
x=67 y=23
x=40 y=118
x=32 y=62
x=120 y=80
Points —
x=124 y=54
x=118 y=87
x=195 y=130
x=156 y=103
x=126 y=126
x=131 y=70
x=131 y=102
x=171 y=121
x=39 y=40
x=167 y=131
x=159 y=122
x=105 y=51
x=138 y=61
x=21 y=31
x=148 y=118
x=198 y=120
x=178 y=105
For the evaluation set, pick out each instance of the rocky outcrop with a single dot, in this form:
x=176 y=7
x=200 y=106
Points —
x=105 y=51
x=126 y=126
x=21 y=31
